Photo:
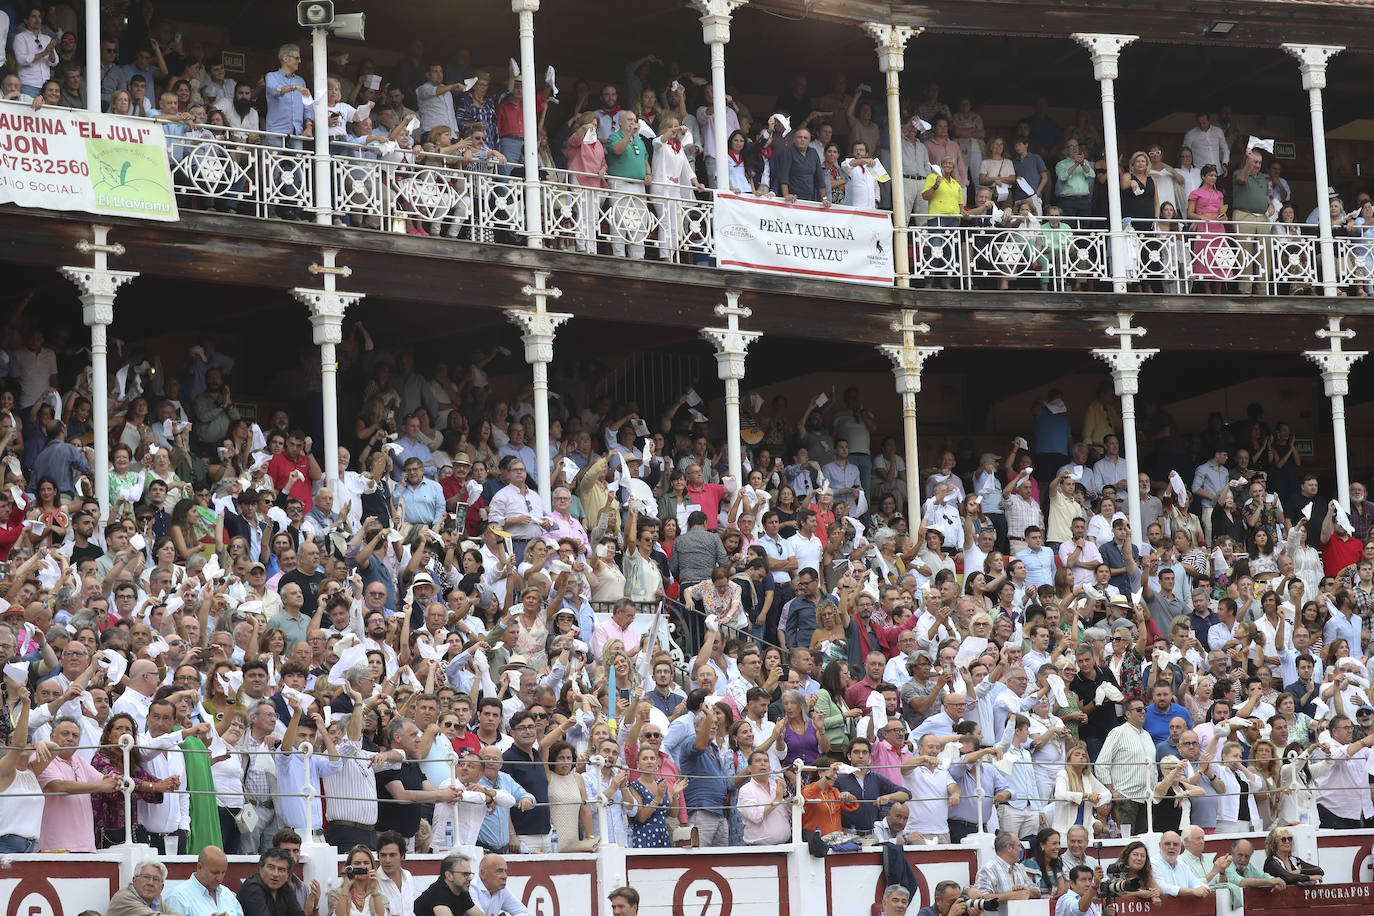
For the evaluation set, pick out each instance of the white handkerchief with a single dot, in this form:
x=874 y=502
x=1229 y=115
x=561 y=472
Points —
x=949 y=756
x=569 y=469
x=157 y=647
x=54 y=399
x=373 y=81
x=1025 y=187
x=278 y=515
x=17 y=672
x=969 y=649
x=115 y=666
x=1057 y=690
x=589 y=135
x=1005 y=764
x=1320 y=708
x=307 y=100
x=693 y=399
x=1176 y=484
x=879 y=172
x=1307 y=512
x=640 y=427
x=645 y=130
x=1002 y=192
x=387 y=147
x=514 y=69
x=250 y=607
x=687 y=139
x=1343 y=519
x=259 y=441
x=212 y=570
x=698 y=81
x=36 y=526
x=1020 y=442
x=822 y=399
x=755 y=402
x=697 y=416
x=922 y=124
x=231 y=681
x=1076 y=472
x=1257 y=143
x=845 y=769
x=138 y=542
x=306 y=700
x=1056 y=406
x=552 y=81
x=411 y=125
x=1107 y=692
x=877 y=710
x=469 y=83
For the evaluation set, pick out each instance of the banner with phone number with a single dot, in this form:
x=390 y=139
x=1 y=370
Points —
x=64 y=159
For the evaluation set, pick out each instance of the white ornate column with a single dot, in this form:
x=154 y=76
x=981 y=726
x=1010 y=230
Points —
x=715 y=31
x=538 y=327
x=1335 y=364
x=99 y=285
x=319 y=114
x=525 y=10
x=908 y=358
x=891 y=42
x=1126 y=361
x=1312 y=61
x=731 y=345
x=327 y=308
x=1106 y=51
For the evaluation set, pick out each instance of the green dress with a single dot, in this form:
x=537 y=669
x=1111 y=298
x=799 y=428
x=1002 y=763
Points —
x=204 y=811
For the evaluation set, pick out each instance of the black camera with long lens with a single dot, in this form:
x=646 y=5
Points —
x=1117 y=887
x=981 y=904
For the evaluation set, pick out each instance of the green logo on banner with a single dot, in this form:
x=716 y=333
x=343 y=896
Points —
x=129 y=178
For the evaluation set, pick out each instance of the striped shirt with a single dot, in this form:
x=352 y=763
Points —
x=352 y=791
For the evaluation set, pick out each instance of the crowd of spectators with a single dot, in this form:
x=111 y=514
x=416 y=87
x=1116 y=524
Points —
x=1199 y=213
x=647 y=659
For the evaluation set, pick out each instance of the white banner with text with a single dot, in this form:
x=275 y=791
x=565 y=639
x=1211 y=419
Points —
x=65 y=159
x=804 y=239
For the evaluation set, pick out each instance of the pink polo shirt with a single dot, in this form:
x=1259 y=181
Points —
x=68 y=822
x=887 y=762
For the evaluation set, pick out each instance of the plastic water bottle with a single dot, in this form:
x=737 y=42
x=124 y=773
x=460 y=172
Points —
x=553 y=841
x=448 y=834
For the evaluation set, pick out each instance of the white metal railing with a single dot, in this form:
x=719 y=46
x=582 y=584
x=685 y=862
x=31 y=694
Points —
x=222 y=169
x=263 y=175
x=1173 y=258
x=587 y=215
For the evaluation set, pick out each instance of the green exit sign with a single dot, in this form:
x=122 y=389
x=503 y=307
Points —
x=1285 y=150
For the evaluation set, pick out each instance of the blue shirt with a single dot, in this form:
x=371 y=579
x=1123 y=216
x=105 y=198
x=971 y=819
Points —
x=191 y=898
x=1157 y=723
x=1052 y=432
x=60 y=461
x=285 y=110
x=707 y=789
x=1039 y=565
x=1115 y=558
x=526 y=455
x=424 y=503
x=290 y=775
x=495 y=833
x=866 y=792
x=992 y=781
x=411 y=448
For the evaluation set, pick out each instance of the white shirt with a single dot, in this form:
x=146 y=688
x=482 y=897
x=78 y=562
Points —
x=928 y=817
x=435 y=110
x=1172 y=878
x=30 y=54
x=135 y=704
x=862 y=189
x=400 y=900
x=162 y=759
x=467 y=815
x=807 y=551
x=35 y=370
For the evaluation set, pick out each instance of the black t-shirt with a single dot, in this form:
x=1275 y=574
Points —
x=90 y=552
x=310 y=588
x=404 y=819
x=439 y=894
x=530 y=772
x=1102 y=719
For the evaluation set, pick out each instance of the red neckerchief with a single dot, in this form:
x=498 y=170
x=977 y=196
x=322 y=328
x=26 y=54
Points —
x=648 y=114
x=611 y=112
x=676 y=145
x=735 y=158
x=766 y=152
x=834 y=172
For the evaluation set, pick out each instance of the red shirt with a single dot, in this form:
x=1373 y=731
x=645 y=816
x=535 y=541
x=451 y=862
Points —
x=469 y=742
x=510 y=119
x=280 y=468
x=473 y=521
x=10 y=532
x=1338 y=553
x=708 y=497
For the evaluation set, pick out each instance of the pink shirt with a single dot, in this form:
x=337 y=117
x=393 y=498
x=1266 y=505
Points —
x=887 y=762
x=68 y=822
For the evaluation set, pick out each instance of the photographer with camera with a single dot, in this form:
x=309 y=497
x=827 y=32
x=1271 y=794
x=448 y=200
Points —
x=1131 y=875
x=949 y=900
x=1082 y=892
x=1004 y=877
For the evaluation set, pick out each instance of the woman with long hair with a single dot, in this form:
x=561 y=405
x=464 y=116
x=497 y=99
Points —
x=358 y=893
x=1264 y=760
x=829 y=635
x=1080 y=799
x=1043 y=866
x=800 y=733
x=108 y=807
x=648 y=797
x=839 y=720
x=1134 y=862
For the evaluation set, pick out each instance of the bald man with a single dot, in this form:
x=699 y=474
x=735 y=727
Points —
x=1174 y=876
x=489 y=891
x=204 y=893
x=138 y=692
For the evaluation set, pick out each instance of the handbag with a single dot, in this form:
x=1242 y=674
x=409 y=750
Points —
x=247 y=818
